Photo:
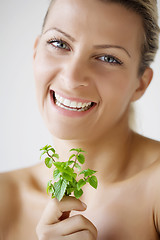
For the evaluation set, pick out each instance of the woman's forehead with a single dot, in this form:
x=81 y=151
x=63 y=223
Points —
x=95 y=19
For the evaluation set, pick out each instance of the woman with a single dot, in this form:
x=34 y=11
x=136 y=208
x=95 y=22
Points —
x=91 y=62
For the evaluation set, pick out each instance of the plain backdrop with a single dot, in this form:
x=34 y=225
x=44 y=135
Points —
x=22 y=131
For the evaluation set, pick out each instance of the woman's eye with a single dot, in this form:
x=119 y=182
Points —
x=59 y=44
x=110 y=59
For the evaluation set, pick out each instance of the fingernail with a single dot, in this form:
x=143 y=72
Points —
x=84 y=205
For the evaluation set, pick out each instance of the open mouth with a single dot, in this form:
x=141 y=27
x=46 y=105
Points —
x=71 y=105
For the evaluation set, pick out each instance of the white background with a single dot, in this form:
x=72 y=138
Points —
x=22 y=131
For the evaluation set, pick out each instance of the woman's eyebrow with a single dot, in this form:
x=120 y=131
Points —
x=64 y=33
x=111 y=46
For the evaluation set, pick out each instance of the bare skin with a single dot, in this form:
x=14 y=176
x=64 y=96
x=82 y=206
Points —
x=126 y=204
x=126 y=208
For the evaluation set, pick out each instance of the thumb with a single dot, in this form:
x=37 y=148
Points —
x=56 y=211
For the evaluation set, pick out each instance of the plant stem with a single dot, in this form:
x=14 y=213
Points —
x=75 y=161
x=86 y=178
x=50 y=156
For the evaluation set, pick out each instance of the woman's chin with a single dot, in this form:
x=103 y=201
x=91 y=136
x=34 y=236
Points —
x=66 y=133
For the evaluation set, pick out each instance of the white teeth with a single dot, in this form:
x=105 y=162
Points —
x=79 y=105
x=88 y=104
x=61 y=99
x=84 y=105
x=73 y=105
x=69 y=105
x=66 y=102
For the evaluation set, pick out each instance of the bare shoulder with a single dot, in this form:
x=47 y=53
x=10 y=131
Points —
x=7 y=197
x=154 y=189
x=147 y=149
x=150 y=154
x=152 y=150
x=147 y=152
x=10 y=196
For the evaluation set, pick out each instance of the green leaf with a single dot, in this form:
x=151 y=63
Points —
x=67 y=176
x=69 y=171
x=48 y=162
x=70 y=163
x=74 y=175
x=56 y=174
x=80 y=158
x=69 y=190
x=77 y=193
x=62 y=167
x=52 y=149
x=73 y=184
x=80 y=150
x=60 y=188
x=64 y=164
x=49 y=183
x=53 y=196
x=41 y=149
x=88 y=172
x=46 y=147
x=77 y=150
x=50 y=188
x=55 y=155
x=77 y=166
x=93 y=181
x=42 y=154
x=59 y=166
x=73 y=155
x=80 y=184
x=73 y=149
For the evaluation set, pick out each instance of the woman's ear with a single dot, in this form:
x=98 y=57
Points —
x=143 y=84
x=35 y=46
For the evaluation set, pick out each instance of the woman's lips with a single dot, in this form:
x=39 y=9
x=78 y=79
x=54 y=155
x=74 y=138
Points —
x=71 y=98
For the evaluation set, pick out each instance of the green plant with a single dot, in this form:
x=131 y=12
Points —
x=64 y=174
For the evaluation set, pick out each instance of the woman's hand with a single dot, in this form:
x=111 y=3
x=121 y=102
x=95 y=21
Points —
x=55 y=223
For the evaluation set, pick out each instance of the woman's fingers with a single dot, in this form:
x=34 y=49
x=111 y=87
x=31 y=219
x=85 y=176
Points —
x=55 y=209
x=82 y=235
x=75 y=224
x=55 y=223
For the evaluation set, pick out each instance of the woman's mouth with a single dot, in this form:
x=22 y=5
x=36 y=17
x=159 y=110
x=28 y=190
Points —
x=71 y=105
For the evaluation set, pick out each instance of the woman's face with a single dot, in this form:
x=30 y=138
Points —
x=87 y=59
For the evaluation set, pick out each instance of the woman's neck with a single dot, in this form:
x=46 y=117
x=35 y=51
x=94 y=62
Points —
x=111 y=157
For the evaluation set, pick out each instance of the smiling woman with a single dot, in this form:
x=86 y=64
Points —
x=106 y=59
x=149 y=45
x=91 y=61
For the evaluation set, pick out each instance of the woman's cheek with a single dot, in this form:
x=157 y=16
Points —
x=116 y=91
x=45 y=70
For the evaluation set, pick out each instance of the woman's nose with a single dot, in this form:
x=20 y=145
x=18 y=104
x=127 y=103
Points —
x=75 y=73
